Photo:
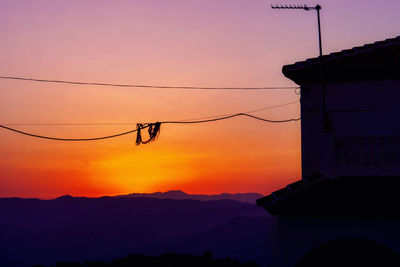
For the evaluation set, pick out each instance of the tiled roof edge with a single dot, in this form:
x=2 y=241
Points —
x=343 y=53
x=289 y=189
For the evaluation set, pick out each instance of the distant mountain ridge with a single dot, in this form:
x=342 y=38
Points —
x=178 y=195
x=34 y=231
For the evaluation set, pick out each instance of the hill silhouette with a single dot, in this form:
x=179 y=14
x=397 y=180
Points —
x=34 y=231
x=177 y=194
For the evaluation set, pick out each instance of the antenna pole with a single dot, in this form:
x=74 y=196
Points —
x=326 y=121
x=307 y=8
x=318 y=8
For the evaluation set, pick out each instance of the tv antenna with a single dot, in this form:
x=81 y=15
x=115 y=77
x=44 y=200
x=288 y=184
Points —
x=307 y=8
x=326 y=121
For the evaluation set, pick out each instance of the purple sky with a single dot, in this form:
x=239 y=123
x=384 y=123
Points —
x=166 y=42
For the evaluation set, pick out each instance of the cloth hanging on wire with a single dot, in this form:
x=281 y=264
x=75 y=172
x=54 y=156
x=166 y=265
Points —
x=153 y=130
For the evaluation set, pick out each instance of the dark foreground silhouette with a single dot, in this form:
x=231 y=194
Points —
x=349 y=253
x=165 y=260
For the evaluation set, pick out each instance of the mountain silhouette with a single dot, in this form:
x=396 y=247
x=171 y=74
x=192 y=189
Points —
x=177 y=194
x=34 y=231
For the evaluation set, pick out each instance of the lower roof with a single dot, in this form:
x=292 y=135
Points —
x=347 y=196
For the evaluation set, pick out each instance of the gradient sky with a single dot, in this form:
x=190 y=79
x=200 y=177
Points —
x=164 y=42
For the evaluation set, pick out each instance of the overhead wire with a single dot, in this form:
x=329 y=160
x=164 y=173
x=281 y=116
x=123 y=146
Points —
x=134 y=123
x=66 y=139
x=146 y=86
x=229 y=117
x=147 y=125
x=247 y=112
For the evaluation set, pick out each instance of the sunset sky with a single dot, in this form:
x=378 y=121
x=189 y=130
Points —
x=227 y=43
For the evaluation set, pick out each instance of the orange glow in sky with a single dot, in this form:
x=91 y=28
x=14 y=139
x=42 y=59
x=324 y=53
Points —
x=227 y=43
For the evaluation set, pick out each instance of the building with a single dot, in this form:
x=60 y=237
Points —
x=346 y=207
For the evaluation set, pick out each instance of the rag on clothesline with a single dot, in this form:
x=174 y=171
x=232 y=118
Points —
x=153 y=130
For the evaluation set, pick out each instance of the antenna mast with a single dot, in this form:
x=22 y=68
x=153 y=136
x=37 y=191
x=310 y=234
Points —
x=326 y=121
x=307 y=8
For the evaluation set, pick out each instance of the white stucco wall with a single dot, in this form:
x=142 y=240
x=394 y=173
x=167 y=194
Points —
x=378 y=131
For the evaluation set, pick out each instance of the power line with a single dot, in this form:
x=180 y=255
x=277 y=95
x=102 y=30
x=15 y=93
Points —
x=134 y=123
x=247 y=112
x=146 y=126
x=232 y=116
x=70 y=124
x=66 y=139
x=146 y=86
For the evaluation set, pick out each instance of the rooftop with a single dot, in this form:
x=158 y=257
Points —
x=376 y=61
x=348 y=196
